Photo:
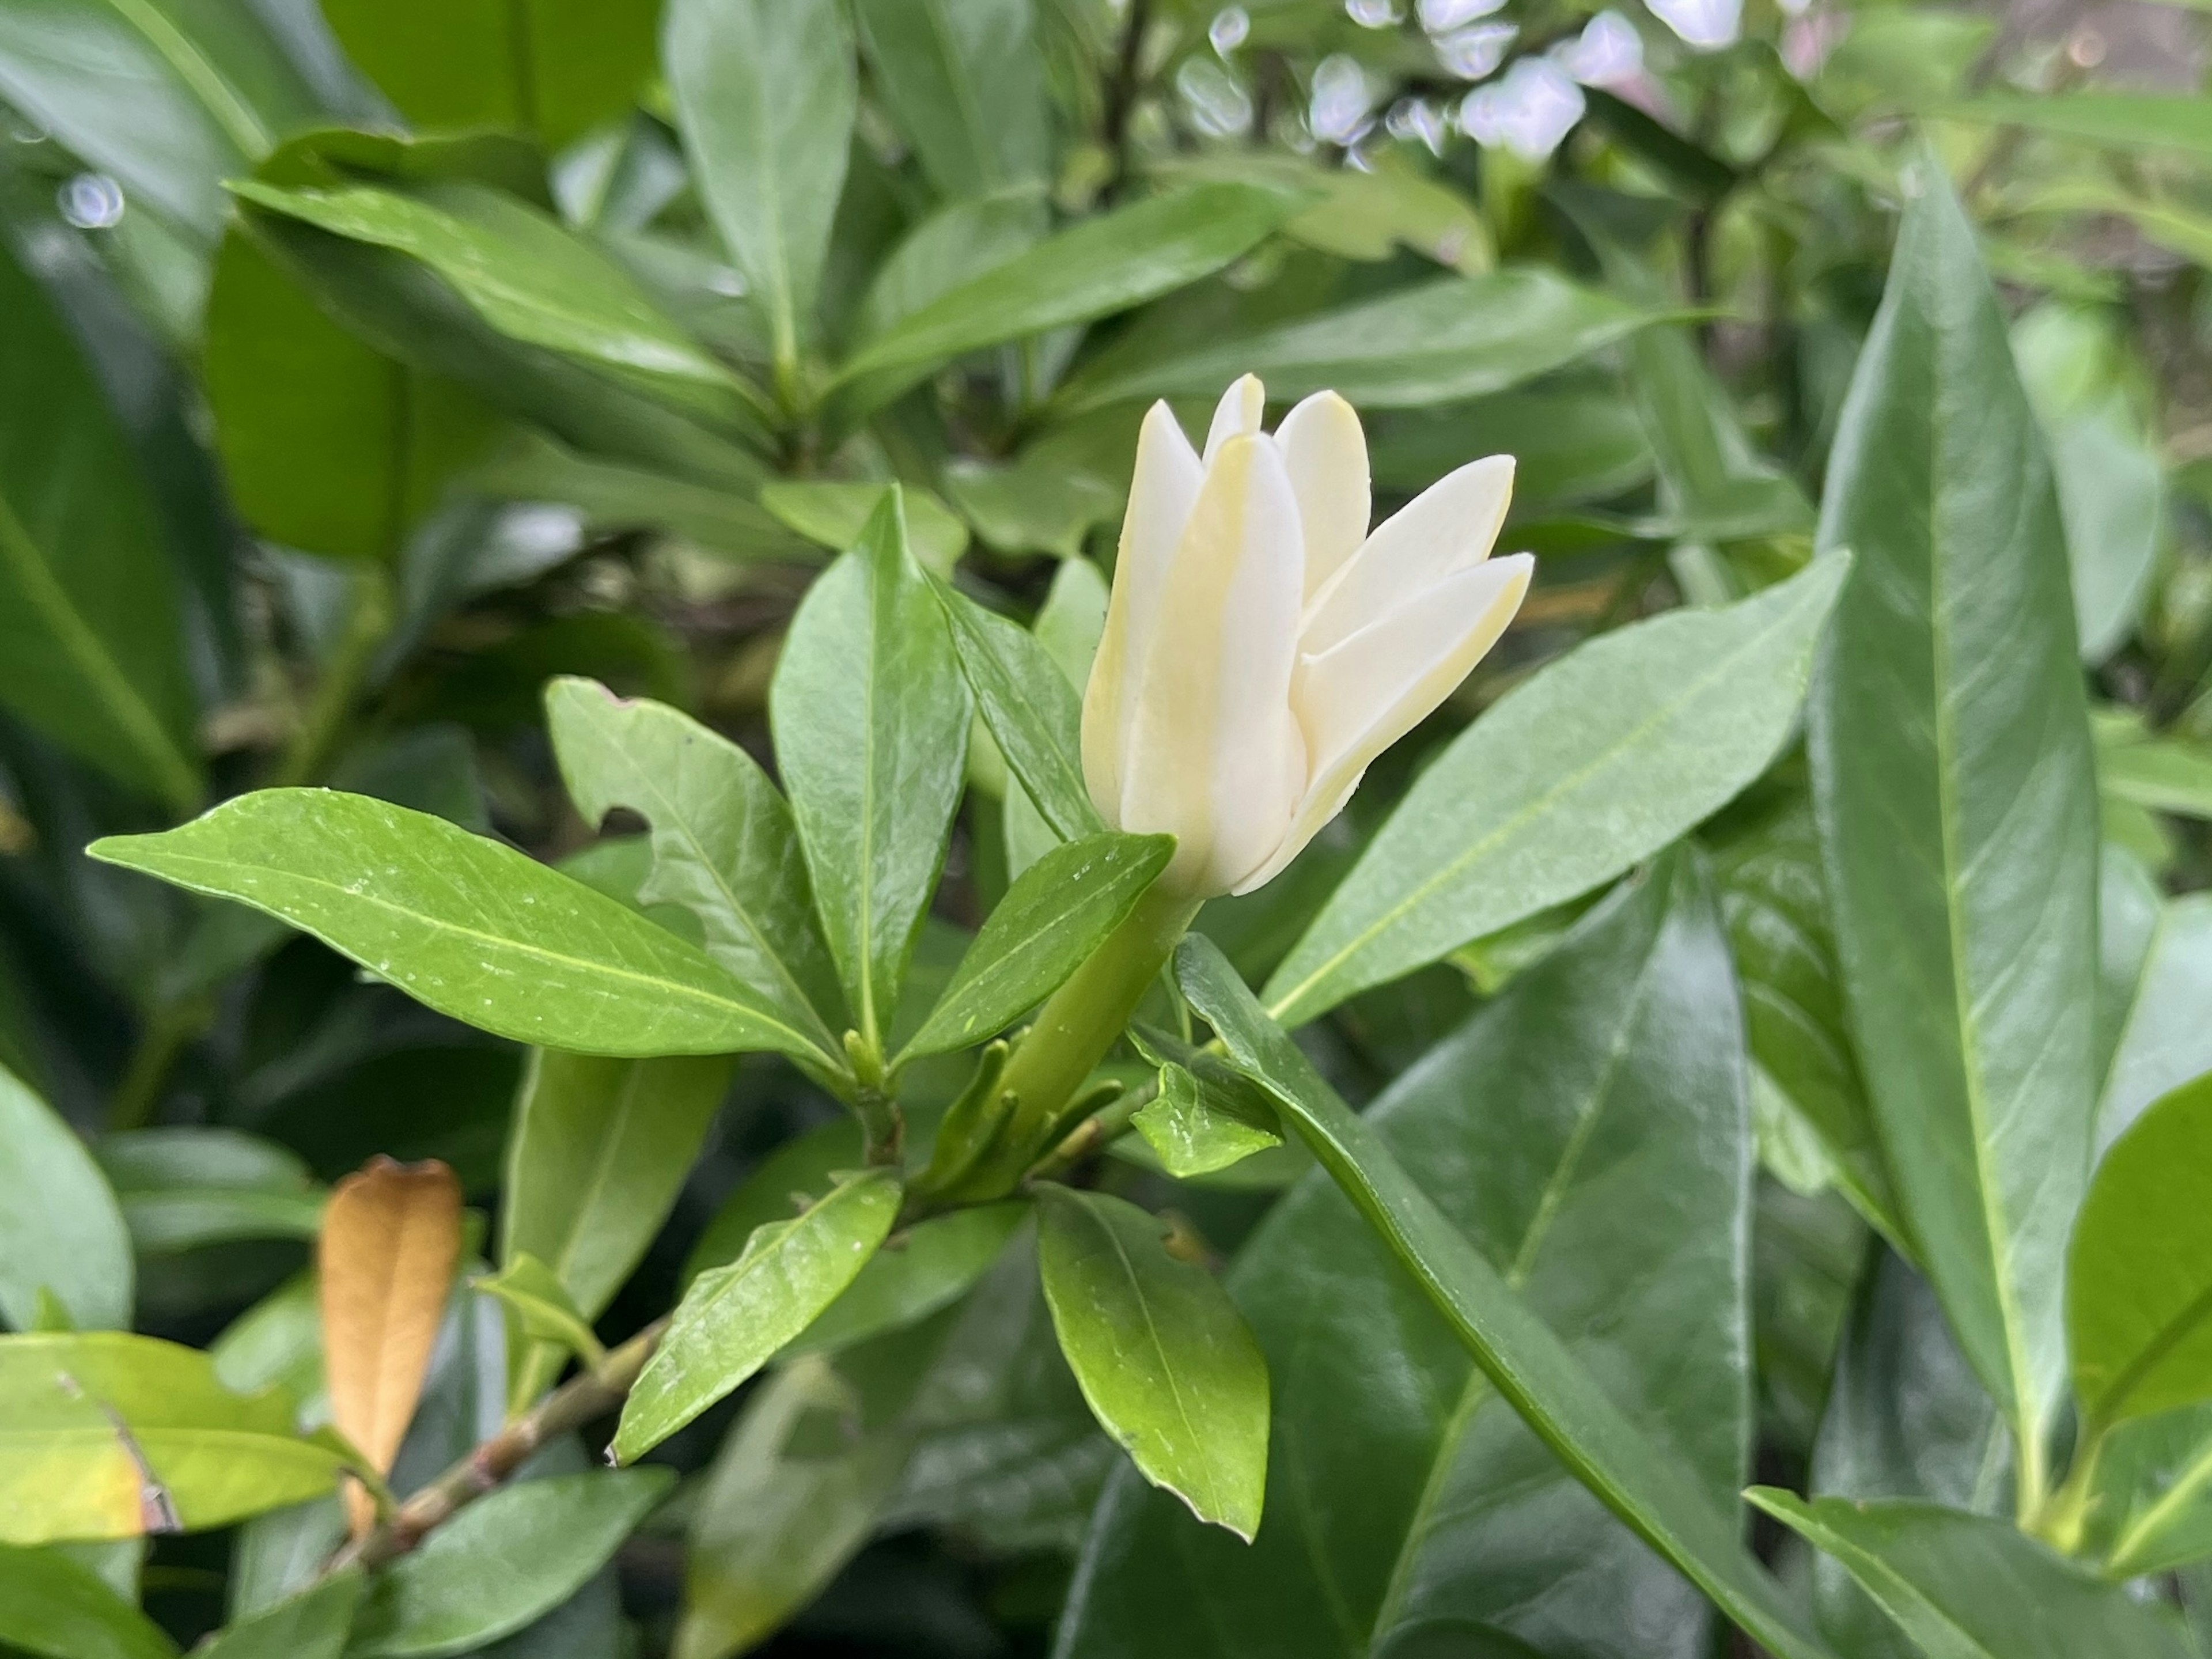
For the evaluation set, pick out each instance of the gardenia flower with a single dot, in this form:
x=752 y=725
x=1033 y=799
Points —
x=1261 y=647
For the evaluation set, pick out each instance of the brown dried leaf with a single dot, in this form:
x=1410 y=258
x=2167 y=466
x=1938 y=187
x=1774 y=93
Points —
x=390 y=1236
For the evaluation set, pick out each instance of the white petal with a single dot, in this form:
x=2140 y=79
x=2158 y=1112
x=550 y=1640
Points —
x=1357 y=699
x=1449 y=527
x=1238 y=413
x=1215 y=757
x=1327 y=454
x=1162 y=493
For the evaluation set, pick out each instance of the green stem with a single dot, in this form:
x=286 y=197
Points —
x=368 y=621
x=1082 y=1019
x=169 y=1031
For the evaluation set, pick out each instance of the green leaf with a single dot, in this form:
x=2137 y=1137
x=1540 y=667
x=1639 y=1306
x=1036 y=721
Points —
x=1604 y=1176
x=1168 y=1364
x=1458 y=337
x=89 y=651
x=614 y=498
x=312 y=1624
x=1971 y=1587
x=542 y=1303
x=469 y=927
x=2139 y=1272
x=2116 y=120
x=1648 y=1484
x=1709 y=473
x=60 y=1608
x=550 y=68
x=530 y=279
x=1600 y=760
x=1057 y=912
x=186 y=1441
x=964 y=80
x=599 y=1149
x=182 y=1188
x=2165 y=1040
x=501 y=1562
x=1951 y=769
x=1101 y=265
x=61 y=1230
x=1197 y=1127
x=1361 y=214
x=2169 y=774
x=724 y=844
x=1031 y=507
x=930 y=1267
x=835 y=516
x=1030 y=708
x=785 y=1182
x=734 y=1319
x=1567 y=446
x=870 y=721
x=2149 y=1494
x=765 y=96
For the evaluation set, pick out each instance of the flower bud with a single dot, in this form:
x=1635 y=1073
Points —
x=1261 y=647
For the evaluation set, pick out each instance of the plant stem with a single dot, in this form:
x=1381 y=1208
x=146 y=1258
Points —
x=1084 y=1017
x=576 y=1402
x=368 y=620
x=1121 y=93
x=1108 y=1123
x=169 y=1031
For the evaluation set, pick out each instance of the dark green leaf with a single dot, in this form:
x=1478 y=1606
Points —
x=1566 y=446
x=1169 y=1365
x=1057 y=912
x=61 y=1232
x=89 y=638
x=734 y=1319
x=724 y=844
x=931 y=1266
x=501 y=1562
x=1604 y=1173
x=964 y=80
x=1646 y=1483
x=765 y=95
x=1600 y=760
x=1709 y=473
x=463 y=923
x=1971 y=1587
x=181 y=1188
x=1452 y=339
x=59 y=1608
x=1951 y=769
x=871 y=721
x=613 y=497
x=312 y=1624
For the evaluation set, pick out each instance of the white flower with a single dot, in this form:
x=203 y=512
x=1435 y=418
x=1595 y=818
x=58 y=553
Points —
x=1607 y=53
x=1528 y=113
x=1261 y=647
x=1705 y=24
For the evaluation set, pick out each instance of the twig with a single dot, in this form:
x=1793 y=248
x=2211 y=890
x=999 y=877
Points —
x=576 y=1402
x=368 y=621
x=170 y=1028
x=1121 y=95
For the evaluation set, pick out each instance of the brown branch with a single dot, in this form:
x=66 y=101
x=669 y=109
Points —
x=581 y=1400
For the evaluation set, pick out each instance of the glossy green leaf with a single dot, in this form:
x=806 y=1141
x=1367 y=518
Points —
x=765 y=96
x=723 y=843
x=1605 y=1176
x=835 y=515
x=600 y=1149
x=783 y=1185
x=870 y=721
x=213 y=1456
x=550 y=68
x=931 y=1266
x=542 y=1305
x=1169 y=1367
x=1055 y=916
x=1600 y=760
x=732 y=1320
x=1647 y=1483
x=501 y=1562
x=964 y=80
x=1098 y=266
x=2139 y=1273
x=1459 y=337
x=89 y=636
x=1196 y=1128
x=59 y=1608
x=529 y=278
x=1030 y=708
x=2163 y=1040
x=312 y=1624
x=470 y=927
x=1971 y=1587
x=61 y=1230
x=1950 y=745
x=2119 y=120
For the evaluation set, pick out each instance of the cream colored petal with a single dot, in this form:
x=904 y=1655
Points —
x=1448 y=527
x=1327 y=454
x=1238 y=412
x=1357 y=699
x=1214 y=757
x=1162 y=493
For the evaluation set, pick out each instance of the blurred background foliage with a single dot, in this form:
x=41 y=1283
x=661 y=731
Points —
x=361 y=367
